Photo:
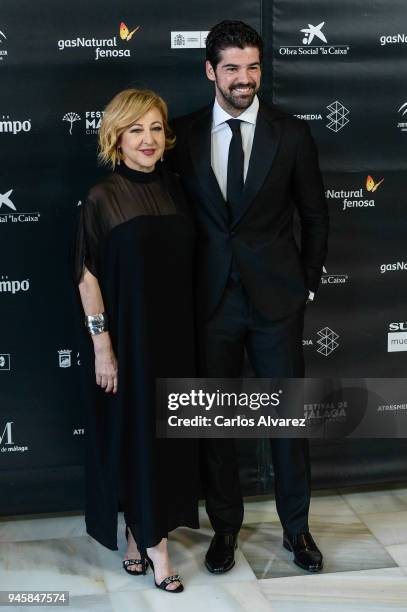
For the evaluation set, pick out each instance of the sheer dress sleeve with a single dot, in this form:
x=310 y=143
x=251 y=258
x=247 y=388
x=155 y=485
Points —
x=87 y=241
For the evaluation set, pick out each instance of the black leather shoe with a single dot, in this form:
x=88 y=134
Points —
x=306 y=553
x=220 y=557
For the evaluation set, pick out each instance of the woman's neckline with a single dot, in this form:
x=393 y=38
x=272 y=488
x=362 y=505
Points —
x=136 y=175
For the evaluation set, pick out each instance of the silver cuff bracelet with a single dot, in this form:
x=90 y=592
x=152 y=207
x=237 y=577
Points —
x=96 y=324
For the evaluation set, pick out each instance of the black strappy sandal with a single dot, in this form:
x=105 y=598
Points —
x=163 y=585
x=143 y=562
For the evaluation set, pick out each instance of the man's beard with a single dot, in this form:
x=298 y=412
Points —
x=238 y=102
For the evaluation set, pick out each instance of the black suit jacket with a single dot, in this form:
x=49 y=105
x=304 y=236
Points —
x=283 y=174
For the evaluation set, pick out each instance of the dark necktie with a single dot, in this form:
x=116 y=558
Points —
x=235 y=165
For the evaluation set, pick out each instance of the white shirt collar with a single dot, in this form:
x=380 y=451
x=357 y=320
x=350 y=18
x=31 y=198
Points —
x=221 y=116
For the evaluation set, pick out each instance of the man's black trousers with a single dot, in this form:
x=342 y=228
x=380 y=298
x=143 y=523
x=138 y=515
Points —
x=274 y=349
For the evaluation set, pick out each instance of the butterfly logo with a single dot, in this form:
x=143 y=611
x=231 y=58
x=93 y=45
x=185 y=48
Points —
x=371 y=185
x=125 y=33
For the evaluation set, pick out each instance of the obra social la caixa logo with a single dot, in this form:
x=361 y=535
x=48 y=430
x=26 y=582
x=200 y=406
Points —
x=333 y=279
x=9 y=212
x=91 y=124
x=315 y=42
x=113 y=47
x=7 y=441
x=356 y=198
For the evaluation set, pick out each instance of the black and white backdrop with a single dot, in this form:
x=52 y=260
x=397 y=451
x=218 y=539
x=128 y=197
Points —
x=341 y=65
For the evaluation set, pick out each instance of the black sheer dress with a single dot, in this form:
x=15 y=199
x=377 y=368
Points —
x=136 y=236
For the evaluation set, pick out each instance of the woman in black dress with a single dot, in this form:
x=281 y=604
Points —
x=134 y=268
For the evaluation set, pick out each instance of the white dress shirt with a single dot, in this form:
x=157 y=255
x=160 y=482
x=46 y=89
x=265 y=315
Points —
x=222 y=135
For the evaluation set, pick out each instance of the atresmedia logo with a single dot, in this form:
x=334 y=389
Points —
x=338 y=116
x=326 y=343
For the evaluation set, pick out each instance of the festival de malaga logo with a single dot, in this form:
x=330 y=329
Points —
x=92 y=123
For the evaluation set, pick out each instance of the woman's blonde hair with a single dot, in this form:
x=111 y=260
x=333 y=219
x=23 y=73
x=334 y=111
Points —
x=123 y=111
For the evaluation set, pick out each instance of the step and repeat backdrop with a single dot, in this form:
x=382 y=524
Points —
x=341 y=66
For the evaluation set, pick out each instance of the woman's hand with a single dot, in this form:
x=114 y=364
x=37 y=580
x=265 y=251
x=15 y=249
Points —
x=105 y=363
x=105 y=359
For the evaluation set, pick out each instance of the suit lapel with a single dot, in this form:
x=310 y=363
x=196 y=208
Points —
x=265 y=144
x=200 y=147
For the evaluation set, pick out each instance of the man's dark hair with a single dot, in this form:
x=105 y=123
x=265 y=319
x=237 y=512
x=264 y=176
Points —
x=231 y=34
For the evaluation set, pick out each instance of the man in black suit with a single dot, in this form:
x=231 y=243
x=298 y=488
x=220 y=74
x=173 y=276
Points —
x=246 y=166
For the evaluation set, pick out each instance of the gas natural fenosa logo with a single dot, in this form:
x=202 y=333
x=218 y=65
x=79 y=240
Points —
x=372 y=185
x=392 y=39
x=125 y=33
x=103 y=47
x=356 y=198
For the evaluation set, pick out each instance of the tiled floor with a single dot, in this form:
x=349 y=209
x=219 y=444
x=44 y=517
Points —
x=362 y=533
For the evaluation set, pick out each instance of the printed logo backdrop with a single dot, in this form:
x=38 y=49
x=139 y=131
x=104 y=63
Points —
x=341 y=67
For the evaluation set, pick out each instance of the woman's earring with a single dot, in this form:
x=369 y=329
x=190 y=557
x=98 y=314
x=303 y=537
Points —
x=162 y=158
x=118 y=156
